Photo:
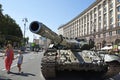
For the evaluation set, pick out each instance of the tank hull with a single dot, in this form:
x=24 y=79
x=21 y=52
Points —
x=62 y=60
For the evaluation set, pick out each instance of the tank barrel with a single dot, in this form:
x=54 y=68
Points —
x=40 y=29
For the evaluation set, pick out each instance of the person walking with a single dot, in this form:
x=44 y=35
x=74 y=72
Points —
x=20 y=60
x=9 y=57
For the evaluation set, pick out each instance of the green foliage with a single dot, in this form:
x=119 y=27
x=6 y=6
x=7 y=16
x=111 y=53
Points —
x=9 y=29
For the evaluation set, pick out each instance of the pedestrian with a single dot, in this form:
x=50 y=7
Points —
x=9 y=57
x=20 y=60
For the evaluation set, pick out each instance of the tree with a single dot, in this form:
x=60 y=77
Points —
x=9 y=29
x=1 y=10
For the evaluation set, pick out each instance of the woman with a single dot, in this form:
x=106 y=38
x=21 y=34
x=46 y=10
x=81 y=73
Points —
x=9 y=56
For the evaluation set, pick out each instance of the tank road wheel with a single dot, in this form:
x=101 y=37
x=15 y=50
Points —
x=48 y=69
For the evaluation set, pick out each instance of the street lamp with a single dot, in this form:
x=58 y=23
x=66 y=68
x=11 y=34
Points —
x=25 y=20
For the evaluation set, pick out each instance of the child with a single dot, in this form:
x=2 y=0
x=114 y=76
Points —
x=20 y=60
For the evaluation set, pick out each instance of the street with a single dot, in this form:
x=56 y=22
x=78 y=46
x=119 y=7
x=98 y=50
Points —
x=30 y=68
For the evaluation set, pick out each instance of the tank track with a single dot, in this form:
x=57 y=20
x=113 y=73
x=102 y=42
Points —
x=48 y=67
x=113 y=69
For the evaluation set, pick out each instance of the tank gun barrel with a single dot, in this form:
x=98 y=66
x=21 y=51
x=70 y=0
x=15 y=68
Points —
x=41 y=29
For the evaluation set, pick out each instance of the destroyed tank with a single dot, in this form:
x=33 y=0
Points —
x=66 y=54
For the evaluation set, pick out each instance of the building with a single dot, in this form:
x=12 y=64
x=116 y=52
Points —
x=60 y=31
x=44 y=42
x=36 y=41
x=100 y=21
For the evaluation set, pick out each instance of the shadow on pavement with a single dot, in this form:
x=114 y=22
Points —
x=4 y=78
x=22 y=74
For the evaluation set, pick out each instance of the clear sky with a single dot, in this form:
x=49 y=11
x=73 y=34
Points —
x=53 y=13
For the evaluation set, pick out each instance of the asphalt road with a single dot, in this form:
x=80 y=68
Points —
x=30 y=67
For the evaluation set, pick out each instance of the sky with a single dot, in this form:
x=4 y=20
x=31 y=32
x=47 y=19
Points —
x=52 y=13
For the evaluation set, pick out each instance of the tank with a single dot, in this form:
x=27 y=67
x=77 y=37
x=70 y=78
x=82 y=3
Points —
x=67 y=54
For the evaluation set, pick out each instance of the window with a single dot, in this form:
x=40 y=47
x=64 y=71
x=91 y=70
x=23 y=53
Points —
x=88 y=17
x=110 y=1
x=111 y=20
x=111 y=13
x=118 y=8
x=99 y=12
x=118 y=24
x=99 y=26
x=118 y=17
x=95 y=21
x=94 y=9
x=111 y=26
x=94 y=30
x=91 y=17
x=100 y=19
x=118 y=31
x=110 y=33
x=118 y=0
x=104 y=10
x=111 y=5
x=105 y=16
x=95 y=15
x=105 y=21
x=104 y=3
x=99 y=7
x=104 y=35
x=84 y=19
